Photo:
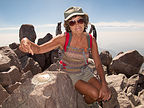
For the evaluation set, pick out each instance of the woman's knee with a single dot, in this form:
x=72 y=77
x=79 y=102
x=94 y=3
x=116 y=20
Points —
x=94 y=94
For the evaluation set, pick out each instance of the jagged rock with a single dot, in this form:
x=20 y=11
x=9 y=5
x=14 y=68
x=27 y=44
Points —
x=12 y=87
x=15 y=47
x=43 y=59
x=124 y=101
x=29 y=64
x=40 y=58
x=106 y=59
x=141 y=96
x=44 y=90
x=4 y=63
x=58 y=28
x=54 y=67
x=11 y=54
x=10 y=77
x=27 y=30
x=54 y=56
x=134 y=99
x=140 y=84
x=26 y=75
x=119 y=82
x=140 y=106
x=128 y=63
x=45 y=39
x=3 y=94
x=132 y=84
x=113 y=102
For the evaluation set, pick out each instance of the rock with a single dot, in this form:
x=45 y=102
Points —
x=44 y=90
x=11 y=54
x=123 y=101
x=132 y=84
x=29 y=64
x=54 y=67
x=134 y=99
x=3 y=94
x=4 y=63
x=26 y=75
x=10 y=77
x=113 y=102
x=128 y=63
x=58 y=28
x=27 y=30
x=12 y=87
x=43 y=59
x=106 y=59
x=141 y=96
x=140 y=106
x=15 y=48
x=119 y=82
x=47 y=38
x=54 y=56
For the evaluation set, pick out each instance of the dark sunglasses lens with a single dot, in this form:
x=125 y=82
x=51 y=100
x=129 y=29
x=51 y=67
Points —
x=80 y=21
x=72 y=23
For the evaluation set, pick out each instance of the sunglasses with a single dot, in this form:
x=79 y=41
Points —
x=73 y=22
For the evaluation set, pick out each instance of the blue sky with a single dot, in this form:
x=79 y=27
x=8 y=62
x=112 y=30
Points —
x=120 y=23
x=16 y=12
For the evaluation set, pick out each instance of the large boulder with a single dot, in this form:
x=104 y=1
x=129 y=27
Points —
x=45 y=90
x=128 y=63
x=27 y=30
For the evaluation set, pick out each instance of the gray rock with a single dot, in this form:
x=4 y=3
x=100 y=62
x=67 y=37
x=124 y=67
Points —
x=128 y=63
x=44 y=90
x=27 y=30
x=3 y=94
x=4 y=63
x=10 y=77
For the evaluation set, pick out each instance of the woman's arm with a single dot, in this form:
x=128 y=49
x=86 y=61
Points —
x=30 y=47
x=98 y=64
x=104 y=92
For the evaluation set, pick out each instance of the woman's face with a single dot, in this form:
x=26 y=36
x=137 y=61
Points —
x=76 y=24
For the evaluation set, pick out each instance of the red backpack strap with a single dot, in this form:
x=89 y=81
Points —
x=89 y=38
x=66 y=41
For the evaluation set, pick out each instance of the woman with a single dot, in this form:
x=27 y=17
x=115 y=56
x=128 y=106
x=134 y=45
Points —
x=75 y=47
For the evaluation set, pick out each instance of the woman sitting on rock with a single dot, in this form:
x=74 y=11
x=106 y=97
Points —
x=76 y=44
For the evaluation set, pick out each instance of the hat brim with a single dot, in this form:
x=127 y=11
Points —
x=74 y=15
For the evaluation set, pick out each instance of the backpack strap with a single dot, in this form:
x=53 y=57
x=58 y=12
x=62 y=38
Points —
x=68 y=40
x=89 y=38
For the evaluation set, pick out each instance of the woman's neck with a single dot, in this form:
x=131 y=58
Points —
x=77 y=34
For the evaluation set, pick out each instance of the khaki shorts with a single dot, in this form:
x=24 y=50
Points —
x=85 y=75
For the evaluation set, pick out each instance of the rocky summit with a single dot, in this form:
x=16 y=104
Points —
x=35 y=81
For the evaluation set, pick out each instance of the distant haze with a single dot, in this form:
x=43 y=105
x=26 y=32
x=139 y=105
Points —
x=114 y=36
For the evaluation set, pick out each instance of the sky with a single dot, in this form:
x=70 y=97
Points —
x=119 y=23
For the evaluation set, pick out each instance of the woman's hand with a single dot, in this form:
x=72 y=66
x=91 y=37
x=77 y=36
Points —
x=105 y=92
x=25 y=46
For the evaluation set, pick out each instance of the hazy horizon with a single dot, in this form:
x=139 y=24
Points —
x=115 y=36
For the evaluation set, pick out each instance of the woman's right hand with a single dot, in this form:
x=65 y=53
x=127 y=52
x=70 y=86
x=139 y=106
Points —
x=25 y=46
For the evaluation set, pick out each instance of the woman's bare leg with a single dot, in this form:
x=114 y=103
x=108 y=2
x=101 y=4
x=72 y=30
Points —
x=89 y=89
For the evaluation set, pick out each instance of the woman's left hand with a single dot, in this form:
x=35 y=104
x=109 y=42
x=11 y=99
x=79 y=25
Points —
x=104 y=92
